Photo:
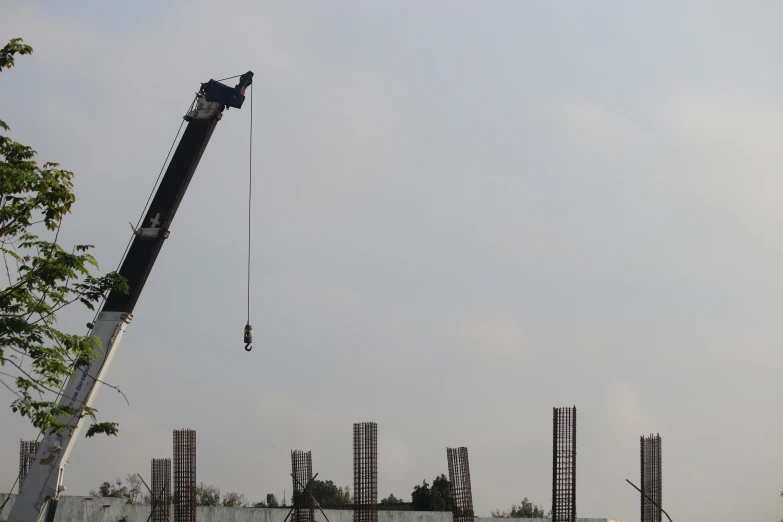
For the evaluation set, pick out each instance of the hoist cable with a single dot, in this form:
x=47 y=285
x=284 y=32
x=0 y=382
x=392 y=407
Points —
x=249 y=201
x=229 y=78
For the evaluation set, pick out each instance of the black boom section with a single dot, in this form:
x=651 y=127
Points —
x=144 y=249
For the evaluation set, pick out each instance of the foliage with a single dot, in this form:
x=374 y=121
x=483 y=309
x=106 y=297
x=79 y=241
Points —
x=391 y=499
x=130 y=490
x=271 y=501
x=327 y=493
x=526 y=509
x=42 y=279
x=207 y=495
x=234 y=499
x=15 y=46
x=435 y=498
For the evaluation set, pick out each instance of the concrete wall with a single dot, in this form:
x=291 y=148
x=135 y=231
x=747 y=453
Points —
x=86 y=509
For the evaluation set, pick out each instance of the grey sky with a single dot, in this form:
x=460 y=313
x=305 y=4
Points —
x=473 y=212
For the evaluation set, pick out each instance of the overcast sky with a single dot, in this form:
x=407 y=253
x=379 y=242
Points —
x=465 y=214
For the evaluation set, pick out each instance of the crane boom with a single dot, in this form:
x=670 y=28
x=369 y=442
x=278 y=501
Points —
x=38 y=494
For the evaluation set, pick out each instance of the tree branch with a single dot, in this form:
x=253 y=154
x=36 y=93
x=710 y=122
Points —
x=7 y=386
x=7 y=270
x=48 y=258
x=56 y=309
x=33 y=379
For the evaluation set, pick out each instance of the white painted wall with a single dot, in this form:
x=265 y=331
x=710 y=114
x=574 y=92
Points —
x=86 y=509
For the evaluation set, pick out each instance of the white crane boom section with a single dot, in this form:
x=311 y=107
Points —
x=44 y=478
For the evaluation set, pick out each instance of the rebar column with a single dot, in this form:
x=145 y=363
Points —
x=184 y=498
x=459 y=476
x=365 y=472
x=302 y=470
x=160 y=500
x=27 y=451
x=564 y=464
x=651 y=478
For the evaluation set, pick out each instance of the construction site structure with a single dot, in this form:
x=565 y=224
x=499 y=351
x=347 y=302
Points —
x=184 y=498
x=365 y=472
x=651 y=478
x=160 y=495
x=459 y=476
x=564 y=464
x=302 y=476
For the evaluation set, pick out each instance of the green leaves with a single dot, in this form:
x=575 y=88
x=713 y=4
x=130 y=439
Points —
x=435 y=498
x=526 y=509
x=15 y=46
x=40 y=279
x=234 y=499
x=105 y=428
x=391 y=500
x=130 y=490
x=31 y=194
x=327 y=493
x=207 y=495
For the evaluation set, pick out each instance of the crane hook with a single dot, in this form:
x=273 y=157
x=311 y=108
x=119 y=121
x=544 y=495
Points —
x=248 y=337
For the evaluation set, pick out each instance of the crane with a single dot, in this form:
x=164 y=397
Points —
x=37 y=498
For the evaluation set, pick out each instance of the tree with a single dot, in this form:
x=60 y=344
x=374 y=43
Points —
x=327 y=493
x=441 y=494
x=271 y=501
x=526 y=509
x=391 y=499
x=421 y=498
x=435 y=498
x=234 y=499
x=130 y=490
x=15 y=46
x=42 y=279
x=207 y=495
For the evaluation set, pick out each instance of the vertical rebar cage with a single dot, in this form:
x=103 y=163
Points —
x=564 y=465
x=302 y=471
x=365 y=472
x=459 y=476
x=27 y=451
x=160 y=500
x=184 y=476
x=651 y=478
